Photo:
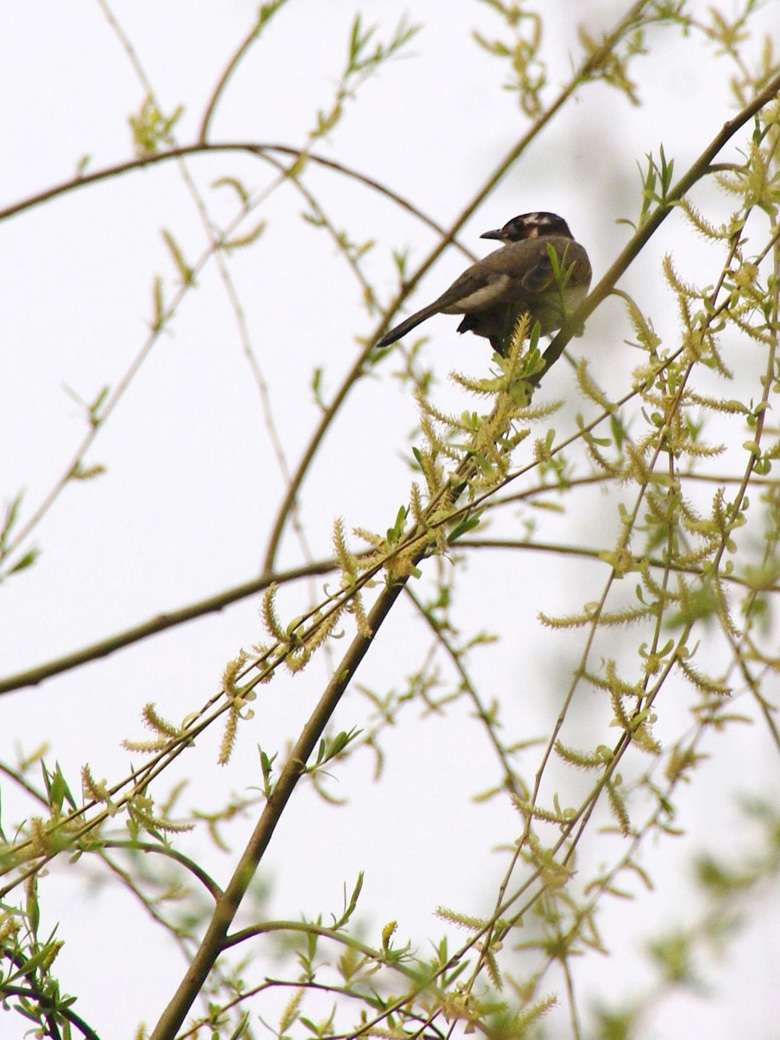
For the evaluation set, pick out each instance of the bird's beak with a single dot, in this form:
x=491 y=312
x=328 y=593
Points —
x=499 y=235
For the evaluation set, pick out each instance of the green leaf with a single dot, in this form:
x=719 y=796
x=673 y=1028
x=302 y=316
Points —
x=468 y=523
x=57 y=790
x=316 y=386
x=349 y=909
x=395 y=533
x=11 y=516
x=185 y=271
x=26 y=561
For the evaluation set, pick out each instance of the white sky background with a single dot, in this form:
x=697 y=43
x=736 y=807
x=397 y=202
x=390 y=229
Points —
x=184 y=508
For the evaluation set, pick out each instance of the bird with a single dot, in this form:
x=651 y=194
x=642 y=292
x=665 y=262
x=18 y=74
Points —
x=516 y=279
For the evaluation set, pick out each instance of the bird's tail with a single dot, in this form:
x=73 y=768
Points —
x=406 y=326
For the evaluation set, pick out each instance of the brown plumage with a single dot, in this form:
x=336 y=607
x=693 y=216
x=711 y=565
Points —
x=519 y=278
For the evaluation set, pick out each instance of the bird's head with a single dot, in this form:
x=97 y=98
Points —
x=530 y=225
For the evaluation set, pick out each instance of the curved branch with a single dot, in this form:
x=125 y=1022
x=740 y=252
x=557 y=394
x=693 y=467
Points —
x=169 y=852
x=122 y=168
x=583 y=552
x=267 y=11
x=201 y=148
x=310 y=928
x=33 y=676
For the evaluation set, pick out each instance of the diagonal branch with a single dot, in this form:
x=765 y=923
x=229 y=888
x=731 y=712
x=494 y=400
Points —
x=700 y=168
x=215 y=938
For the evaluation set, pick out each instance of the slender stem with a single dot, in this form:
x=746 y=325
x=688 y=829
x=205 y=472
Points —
x=262 y=19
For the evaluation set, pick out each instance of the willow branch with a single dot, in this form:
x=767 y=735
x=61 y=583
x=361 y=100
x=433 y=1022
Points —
x=702 y=167
x=215 y=939
x=213 y=604
x=258 y=149
x=265 y=13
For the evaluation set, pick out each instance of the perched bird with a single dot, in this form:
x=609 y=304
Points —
x=519 y=278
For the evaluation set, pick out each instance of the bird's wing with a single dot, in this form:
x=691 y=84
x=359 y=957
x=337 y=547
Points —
x=477 y=289
x=509 y=275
